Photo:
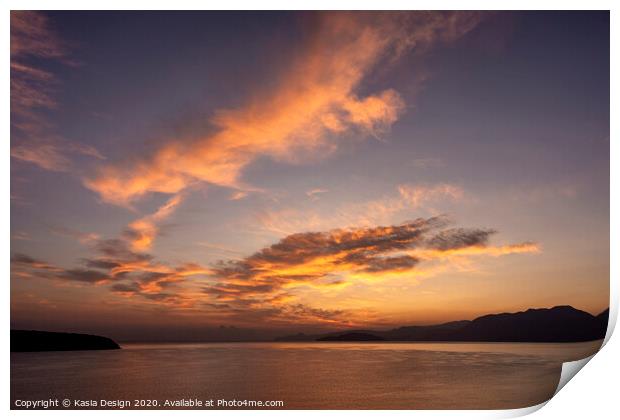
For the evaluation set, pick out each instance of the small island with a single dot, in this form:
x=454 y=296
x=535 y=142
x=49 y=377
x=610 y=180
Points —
x=31 y=341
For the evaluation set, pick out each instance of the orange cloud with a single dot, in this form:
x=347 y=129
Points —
x=270 y=284
x=475 y=250
x=342 y=257
x=142 y=232
x=315 y=102
x=128 y=273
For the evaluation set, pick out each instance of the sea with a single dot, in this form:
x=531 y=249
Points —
x=315 y=375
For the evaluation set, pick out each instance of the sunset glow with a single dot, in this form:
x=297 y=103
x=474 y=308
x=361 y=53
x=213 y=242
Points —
x=304 y=171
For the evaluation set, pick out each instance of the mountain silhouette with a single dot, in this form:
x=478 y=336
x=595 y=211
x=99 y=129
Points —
x=603 y=317
x=557 y=324
x=23 y=340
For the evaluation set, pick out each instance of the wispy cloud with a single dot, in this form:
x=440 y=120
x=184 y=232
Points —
x=317 y=102
x=82 y=237
x=33 y=92
x=315 y=192
x=31 y=35
x=417 y=195
x=238 y=195
x=21 y=236
x=408 y=197
x=128 y=273
x=142 y=232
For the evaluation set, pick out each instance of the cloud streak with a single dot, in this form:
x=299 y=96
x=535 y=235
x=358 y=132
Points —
x=341 y=257
x=316 y=102
x=32 y=93
x=269 y=285
x=141 y=233
x=128 y=273
x=408 y=197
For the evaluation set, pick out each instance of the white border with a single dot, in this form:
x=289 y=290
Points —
x=592 y=395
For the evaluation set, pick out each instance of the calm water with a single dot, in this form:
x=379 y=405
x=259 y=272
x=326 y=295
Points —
x=305 y=375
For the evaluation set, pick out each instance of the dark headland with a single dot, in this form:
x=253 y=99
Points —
x=560 y=324
x=23 y=340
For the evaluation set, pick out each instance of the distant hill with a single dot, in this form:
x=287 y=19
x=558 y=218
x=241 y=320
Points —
x=353 y=336
x=557 y=324
x=438 y=332
x=22 y=341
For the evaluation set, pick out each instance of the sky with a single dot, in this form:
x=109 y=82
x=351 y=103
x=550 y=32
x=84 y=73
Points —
x=203 y=175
